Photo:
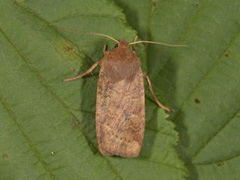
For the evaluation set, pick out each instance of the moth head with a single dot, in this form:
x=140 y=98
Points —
x=122 y=44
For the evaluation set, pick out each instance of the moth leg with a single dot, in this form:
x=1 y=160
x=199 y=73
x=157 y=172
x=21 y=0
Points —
x=153 y=94
x=105 y=48
x=83 y=74
x=134 y=40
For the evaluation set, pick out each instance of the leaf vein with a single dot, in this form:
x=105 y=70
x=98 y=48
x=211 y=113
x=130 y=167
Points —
x=215 y=134
x=237 y=155
x=35 y=151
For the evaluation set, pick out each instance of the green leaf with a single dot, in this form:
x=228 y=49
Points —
x=47 y=127
x=202 y=81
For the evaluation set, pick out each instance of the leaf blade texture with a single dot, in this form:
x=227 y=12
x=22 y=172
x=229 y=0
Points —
x=48 y=126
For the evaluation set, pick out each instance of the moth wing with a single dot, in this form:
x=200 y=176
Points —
x=120 y=114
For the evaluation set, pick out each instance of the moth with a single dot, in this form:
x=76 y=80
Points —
x=120 y=103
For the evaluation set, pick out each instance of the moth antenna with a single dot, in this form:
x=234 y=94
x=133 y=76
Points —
x=160 y=43
x=91 y=33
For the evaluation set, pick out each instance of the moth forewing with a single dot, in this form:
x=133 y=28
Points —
x=120 y=110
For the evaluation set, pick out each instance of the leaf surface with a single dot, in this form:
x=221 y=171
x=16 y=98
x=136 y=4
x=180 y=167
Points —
x=48 y=126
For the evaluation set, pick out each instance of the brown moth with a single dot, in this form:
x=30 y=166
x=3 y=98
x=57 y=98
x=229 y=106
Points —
x=120 y=105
